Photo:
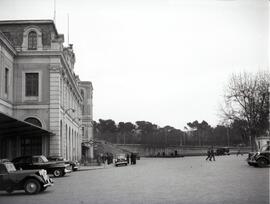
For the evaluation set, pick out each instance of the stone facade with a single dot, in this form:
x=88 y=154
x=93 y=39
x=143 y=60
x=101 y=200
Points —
x=87 y=122
x=57 y=103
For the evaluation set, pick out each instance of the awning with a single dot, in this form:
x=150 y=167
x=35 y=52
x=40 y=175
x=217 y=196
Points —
x=10 y=126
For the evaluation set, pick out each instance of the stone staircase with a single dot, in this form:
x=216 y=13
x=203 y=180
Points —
x=105 y=146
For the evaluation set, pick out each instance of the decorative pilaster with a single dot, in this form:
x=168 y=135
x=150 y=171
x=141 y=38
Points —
x=54 y=110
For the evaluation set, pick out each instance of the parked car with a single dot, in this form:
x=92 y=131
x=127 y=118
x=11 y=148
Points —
x=260 y=158
x=223 y=151
x=74 y=164
x=121 y=159
x=31 y=181
x=41 y=162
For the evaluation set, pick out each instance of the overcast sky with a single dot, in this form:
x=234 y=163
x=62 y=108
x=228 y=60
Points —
x=163 y=61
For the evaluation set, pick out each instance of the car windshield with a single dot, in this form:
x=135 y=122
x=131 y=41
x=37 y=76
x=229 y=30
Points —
x=10 y=167
x=40 y=159
x=44 y=158
x=121 y=156
x=265 y=148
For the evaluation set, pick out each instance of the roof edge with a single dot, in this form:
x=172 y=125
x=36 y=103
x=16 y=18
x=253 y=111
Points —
x=8 y=44
x=34 y=21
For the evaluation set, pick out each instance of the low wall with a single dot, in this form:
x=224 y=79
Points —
x=149 y=151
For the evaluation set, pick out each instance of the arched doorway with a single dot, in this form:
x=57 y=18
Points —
x=31 y=145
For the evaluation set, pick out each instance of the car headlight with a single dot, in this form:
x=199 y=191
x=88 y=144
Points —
x=256 y=155
x=42 y=172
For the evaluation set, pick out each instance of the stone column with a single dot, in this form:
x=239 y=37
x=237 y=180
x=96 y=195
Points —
x=91 y=148
x=54 y=110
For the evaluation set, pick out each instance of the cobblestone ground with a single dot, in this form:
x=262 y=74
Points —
x=188 y=180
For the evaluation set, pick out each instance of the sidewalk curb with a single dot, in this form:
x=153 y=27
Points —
x=86 y=168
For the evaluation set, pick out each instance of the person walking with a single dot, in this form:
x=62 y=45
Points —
x=208 y=154
x=128 y=158
x=134 y=158
x=212 y=154
x=131 y=158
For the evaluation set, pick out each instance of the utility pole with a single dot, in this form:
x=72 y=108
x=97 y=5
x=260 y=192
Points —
x=54 y=11
x=68 y=28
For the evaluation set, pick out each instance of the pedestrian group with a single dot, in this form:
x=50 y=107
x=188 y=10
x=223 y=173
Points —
x=210 y=154
x=107 y=158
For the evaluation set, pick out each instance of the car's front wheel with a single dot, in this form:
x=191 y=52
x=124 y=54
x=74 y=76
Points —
x=58 y=173
x=262 y=162
x=32 y=186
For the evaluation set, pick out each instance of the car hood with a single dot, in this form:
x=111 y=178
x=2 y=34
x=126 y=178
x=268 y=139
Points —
x=47 y=163
x=50 y=164
x=25 y=171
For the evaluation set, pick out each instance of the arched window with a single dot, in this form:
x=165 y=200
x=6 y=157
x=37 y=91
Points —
x=33 y=121
x=82 y=93
x=32 y=40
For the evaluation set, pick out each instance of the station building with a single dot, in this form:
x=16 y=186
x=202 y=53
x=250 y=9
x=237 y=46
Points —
x=44 y=107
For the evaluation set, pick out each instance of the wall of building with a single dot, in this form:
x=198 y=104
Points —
x=6 y=62
x=87 y=118
x=59 y=92
x=150 y=151
x=70 y=123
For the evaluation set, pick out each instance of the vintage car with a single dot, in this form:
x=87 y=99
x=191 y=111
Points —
x=120 y=159
x=31 y=181
x=223 y=151
x=260 y=158
x=41 y=162
x=74 y=164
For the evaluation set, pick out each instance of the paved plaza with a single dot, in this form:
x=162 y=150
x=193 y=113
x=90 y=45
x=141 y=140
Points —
x=188 y=180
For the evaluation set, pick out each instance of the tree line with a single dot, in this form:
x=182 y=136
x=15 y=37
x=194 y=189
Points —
x=245 y=116
x=144 y=132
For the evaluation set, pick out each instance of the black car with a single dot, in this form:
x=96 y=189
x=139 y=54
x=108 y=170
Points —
x=121 y=159
x=41 y=162
x=74 y=164
x=223 y=151
x=260 y=158
x=31 y=181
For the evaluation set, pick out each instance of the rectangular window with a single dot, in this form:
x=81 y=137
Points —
x=31 y=84
x=6 y=80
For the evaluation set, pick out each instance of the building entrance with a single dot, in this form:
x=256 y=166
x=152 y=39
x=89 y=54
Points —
x=31 y=145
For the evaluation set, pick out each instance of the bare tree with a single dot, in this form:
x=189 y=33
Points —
x=247 y=99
